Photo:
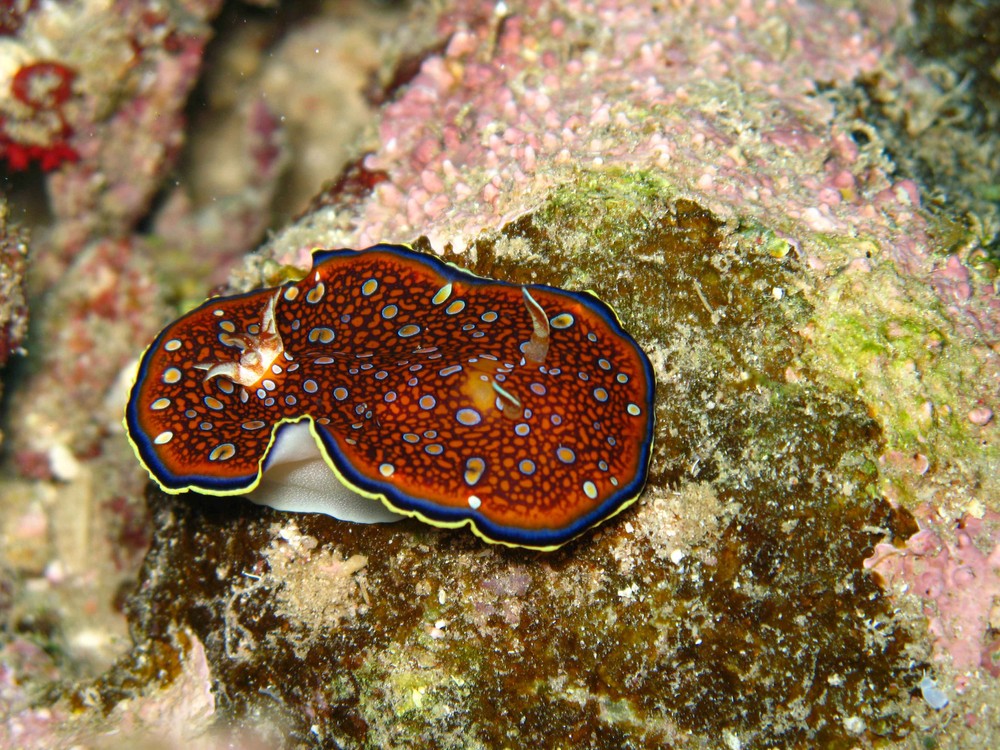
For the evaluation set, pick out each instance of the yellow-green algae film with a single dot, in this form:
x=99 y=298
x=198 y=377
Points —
x=888 y=337
x=766 y=631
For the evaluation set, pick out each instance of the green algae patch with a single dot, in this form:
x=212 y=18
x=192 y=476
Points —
x=888 y=338
x=730 y=602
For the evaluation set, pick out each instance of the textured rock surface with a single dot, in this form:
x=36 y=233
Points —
x=960 y=581
x=13 y=305
x=733 y=600
x=825 y=342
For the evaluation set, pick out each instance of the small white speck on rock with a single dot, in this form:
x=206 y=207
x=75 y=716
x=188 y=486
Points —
x=854 y=724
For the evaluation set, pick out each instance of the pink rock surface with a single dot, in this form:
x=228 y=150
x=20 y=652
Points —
x=720 y=97
x=563 y=92
x=954 y=568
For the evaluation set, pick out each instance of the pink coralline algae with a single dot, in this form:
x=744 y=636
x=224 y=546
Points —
x=107 y=299
x=955 y=571
x=723 y=99
x=561 y=91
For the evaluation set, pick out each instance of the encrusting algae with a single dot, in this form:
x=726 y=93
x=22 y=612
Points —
x=769 y=630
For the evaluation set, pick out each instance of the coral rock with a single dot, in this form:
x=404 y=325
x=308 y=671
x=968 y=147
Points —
x=956 y=571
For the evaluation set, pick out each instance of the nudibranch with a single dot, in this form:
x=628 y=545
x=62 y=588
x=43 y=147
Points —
x=525 y=412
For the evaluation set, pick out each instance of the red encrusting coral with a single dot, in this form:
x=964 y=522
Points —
x=20 y=156
x=42 y=134
x=45 y=84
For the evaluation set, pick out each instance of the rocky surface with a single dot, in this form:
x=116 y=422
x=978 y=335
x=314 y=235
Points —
x=733 y=600
x=825 y=343
x=13 y=305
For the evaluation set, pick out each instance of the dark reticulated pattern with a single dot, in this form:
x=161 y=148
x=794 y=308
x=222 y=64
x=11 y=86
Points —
x=410 y=370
